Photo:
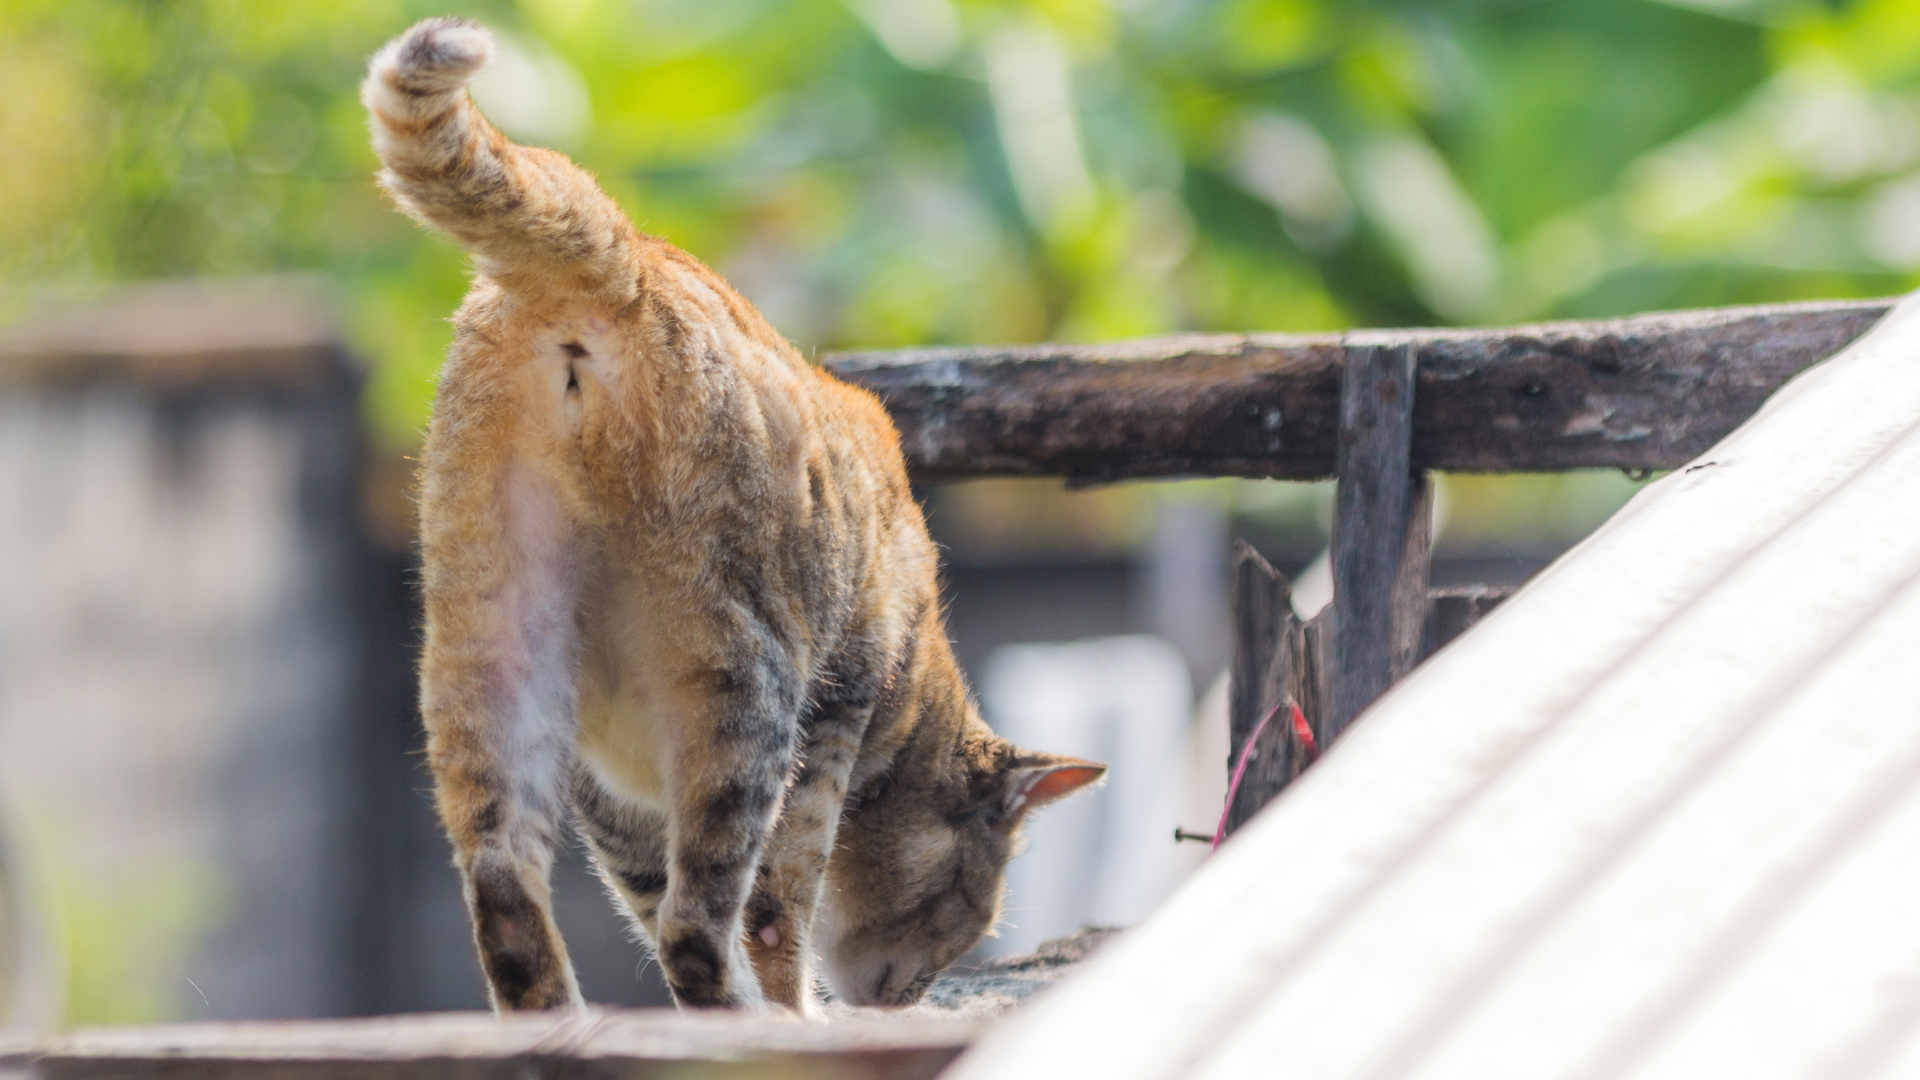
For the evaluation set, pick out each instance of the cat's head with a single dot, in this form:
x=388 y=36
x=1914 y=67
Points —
x=919 y=869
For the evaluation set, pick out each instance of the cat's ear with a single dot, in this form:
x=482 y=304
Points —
x=1033 y=780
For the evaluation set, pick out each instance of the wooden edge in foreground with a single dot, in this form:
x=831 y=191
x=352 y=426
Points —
x=1648 y=392
x=646 y=1043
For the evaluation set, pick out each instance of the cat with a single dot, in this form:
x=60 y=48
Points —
x=675 y=582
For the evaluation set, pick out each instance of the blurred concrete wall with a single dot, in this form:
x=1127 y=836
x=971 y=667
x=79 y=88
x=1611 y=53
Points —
x=179 y=655
x=206 y=674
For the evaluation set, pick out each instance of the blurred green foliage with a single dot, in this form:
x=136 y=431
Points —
x=885 y=172
x=126 y=941
x=124 y=928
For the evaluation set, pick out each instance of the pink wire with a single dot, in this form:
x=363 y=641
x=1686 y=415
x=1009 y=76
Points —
x=1240 y=770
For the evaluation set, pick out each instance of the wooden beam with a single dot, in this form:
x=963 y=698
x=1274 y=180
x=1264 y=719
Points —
x=1648 y=392
x=1382 y=528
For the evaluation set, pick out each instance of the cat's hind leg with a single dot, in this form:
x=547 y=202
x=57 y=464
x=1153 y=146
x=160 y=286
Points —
x=505 y=817
x=497 y=697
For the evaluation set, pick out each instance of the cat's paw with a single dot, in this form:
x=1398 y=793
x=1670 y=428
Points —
x=436 y=56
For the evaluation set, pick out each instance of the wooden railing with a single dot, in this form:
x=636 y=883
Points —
x=1377 y=410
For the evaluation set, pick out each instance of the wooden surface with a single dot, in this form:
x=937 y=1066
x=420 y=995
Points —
x=851 y=1044
x=1646 y=392
x=1382 y=529
x=474 y=1046
x=1653 y=818
x=1266 y=648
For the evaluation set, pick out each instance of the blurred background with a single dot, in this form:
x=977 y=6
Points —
x=220 y=349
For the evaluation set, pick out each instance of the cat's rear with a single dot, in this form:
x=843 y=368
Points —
x=675 y=579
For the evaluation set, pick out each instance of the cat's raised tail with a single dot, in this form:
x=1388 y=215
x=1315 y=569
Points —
x=531 y=218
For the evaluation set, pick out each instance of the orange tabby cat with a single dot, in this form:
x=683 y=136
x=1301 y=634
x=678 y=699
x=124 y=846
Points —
x=674 y=579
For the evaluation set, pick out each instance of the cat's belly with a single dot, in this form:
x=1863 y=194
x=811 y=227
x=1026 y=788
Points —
x=622 y=704
x=623 y=740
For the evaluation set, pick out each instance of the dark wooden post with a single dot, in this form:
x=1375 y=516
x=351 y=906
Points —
x=1265 y=636
x=1383 y=522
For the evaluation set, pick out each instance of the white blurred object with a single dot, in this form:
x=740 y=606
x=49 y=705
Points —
x=181 y=651
x=1835 y=126
x=1890 y=222
x=1207 y=751
x=533 y=95
x=1033 y=105
x=1448 y=247
x=1106 y=858
x=921 y=34
x=1313 y=586
x=1282 y=159
x=1185 y=573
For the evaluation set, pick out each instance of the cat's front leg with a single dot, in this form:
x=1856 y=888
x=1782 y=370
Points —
x=628 y=844
x=730 y=765
x=786 y=896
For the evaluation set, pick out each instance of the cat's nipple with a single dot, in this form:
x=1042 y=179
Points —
x=769 y=935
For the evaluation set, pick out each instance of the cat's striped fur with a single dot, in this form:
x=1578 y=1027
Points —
x=675 y=580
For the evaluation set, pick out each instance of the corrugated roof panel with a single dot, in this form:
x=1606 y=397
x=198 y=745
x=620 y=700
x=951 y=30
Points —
x=1543 y=854
x=1548 y=825
x=1681 y=899
x=1833 y=969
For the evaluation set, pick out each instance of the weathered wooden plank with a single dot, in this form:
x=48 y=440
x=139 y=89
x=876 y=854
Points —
x=1265 y=649
x=1383 y=525
x=1648 y=392
x=1453 y=610
x=1409 y=600
x=1276 y=655
x=866 y=1044
x=635 y=1044
x=1228 y=406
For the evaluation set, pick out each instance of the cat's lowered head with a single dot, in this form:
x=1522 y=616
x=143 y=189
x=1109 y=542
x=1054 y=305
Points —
x=675 y=581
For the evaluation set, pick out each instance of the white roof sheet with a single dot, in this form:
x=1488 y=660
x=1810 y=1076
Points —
x=1658 y=816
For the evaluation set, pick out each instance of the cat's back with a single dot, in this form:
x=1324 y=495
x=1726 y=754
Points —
x=759 y=496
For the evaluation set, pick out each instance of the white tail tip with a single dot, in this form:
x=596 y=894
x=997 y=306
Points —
x=436 y=56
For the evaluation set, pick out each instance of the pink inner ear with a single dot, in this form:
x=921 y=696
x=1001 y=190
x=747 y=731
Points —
x=1055 y=783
